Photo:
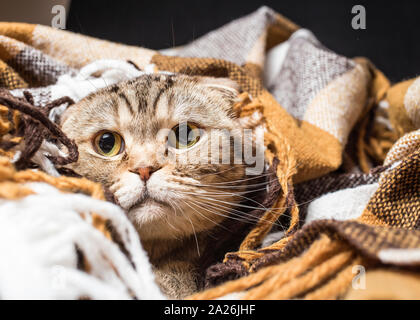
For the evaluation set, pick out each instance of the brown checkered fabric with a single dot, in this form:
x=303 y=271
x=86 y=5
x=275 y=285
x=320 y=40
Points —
x=310 y=107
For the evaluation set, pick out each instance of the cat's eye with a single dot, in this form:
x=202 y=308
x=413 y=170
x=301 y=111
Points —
x=184 y=135
x=108 y=143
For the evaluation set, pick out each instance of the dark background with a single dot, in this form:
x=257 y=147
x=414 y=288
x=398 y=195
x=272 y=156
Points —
x=391 y=39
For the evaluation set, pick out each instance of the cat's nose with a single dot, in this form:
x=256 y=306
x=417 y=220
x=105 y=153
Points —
x=145 y=172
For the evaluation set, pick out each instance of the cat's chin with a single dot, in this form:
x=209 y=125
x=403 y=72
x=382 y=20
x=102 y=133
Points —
x=147 y=211
x=147 y=216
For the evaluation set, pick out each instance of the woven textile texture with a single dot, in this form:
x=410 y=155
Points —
x=332 y=124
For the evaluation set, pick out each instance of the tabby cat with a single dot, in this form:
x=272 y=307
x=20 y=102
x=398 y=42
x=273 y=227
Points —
x=158 y=142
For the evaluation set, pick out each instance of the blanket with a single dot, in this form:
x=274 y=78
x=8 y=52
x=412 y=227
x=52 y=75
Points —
x=343 y=142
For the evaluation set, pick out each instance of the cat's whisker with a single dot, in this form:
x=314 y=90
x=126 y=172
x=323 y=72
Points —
x=177 y=206
x=207 y=218
x=238 y=213
x=195 y=235
x=172 y=226
x=243 y=180
x=216 y=191
x=167 y=220
x=242 y=213
x=197 y=182
x=192 y=226
x=233 y=204
x=246 y=195
x=230 y=186
x=209 y=209
x=224 y=171
x=191 y=204
x=237 y=194
x=242 y=216
x=224 y=189
x=273 y=208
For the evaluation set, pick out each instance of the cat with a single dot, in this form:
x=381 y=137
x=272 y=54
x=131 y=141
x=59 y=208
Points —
x=156 y=142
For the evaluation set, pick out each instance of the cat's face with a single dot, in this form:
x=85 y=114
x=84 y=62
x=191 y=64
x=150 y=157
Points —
x=129 y=139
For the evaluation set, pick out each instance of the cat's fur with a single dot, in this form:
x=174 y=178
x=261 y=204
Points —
x=179 y=207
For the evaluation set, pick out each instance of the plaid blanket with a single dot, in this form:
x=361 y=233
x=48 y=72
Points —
x=343 y=142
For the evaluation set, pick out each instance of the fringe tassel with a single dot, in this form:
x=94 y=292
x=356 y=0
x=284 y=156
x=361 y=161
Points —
x=323 y=271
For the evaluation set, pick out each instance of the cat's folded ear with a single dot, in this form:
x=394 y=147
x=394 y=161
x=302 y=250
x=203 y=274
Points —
x=223 y=84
